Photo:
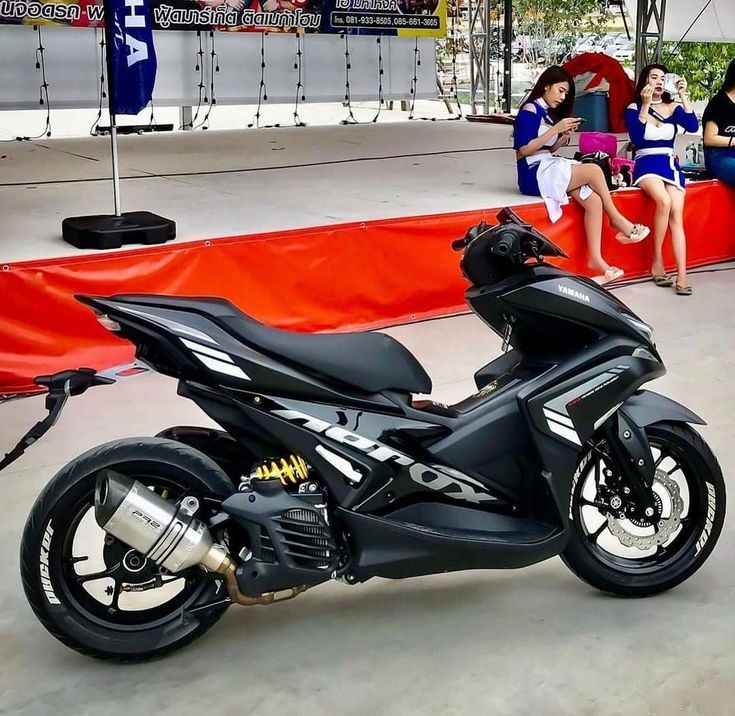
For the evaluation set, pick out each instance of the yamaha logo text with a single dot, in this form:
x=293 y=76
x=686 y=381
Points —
x=573 y=293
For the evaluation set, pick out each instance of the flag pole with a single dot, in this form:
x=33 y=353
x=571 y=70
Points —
x=109 y=39
x=128 y=32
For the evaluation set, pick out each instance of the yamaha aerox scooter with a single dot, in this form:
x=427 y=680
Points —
x=328 y=466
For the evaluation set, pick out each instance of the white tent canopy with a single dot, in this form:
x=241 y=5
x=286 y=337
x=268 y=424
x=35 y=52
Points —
x=715 y=24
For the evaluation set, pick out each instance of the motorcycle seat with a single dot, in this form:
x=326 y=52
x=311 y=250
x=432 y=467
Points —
x=370 y=361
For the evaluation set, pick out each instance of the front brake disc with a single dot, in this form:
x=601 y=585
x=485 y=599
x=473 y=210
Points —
x=666 y=526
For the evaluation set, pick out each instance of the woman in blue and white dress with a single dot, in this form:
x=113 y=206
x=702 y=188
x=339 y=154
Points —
x=543 y=126
x=653 y=122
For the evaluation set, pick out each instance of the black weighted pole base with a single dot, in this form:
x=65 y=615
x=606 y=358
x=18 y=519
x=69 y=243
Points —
x=106 y=231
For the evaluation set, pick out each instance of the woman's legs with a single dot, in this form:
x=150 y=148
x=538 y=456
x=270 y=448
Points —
x=592 y=175
x=592 y=206
x=678 y=239
x=656 y=189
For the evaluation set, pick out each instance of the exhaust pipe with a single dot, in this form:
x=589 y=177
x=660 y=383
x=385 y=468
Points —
x=166 y=534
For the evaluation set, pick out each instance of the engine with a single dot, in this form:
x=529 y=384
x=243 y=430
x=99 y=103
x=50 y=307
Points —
x=290 y=538
x=290 y=544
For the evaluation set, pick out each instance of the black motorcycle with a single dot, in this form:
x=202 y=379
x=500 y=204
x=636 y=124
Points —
x=327 y=467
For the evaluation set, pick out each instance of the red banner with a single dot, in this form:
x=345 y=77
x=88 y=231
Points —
x=346 y=277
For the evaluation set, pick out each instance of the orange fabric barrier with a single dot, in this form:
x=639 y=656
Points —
x=347 y=277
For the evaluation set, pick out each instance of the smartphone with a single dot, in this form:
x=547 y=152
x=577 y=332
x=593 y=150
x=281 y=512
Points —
x=670 y=80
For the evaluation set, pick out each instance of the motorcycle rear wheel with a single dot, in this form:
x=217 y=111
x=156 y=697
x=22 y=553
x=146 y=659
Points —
x=634 y=559
x=77 y=579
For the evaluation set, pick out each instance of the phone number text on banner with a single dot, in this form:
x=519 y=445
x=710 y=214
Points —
x=352 y=17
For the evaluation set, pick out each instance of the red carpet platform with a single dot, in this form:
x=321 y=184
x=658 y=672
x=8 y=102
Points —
x=339 y=277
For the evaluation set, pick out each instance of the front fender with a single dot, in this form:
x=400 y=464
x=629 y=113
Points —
x=646 y=407
x=628 y=441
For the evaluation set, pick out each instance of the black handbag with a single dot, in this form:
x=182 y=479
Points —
x=602 y=159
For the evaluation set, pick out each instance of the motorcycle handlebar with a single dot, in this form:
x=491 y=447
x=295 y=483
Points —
x=511 y=240
x=503 y=247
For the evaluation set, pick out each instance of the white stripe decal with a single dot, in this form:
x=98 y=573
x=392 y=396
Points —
x=566 y=433
x=342 y=464
x=207 y=351
x=558 y=417
x=166 y=323
x=222 y=367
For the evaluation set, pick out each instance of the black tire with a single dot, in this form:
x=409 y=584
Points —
x=55 y=590
x=689 y=546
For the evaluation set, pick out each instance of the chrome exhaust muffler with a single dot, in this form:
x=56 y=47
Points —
x=168 y=534
x=163 y=532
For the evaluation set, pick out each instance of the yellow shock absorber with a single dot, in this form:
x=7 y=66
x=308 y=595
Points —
x=289 y=470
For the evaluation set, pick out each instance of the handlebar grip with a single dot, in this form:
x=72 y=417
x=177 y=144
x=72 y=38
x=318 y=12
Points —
x=504 y=245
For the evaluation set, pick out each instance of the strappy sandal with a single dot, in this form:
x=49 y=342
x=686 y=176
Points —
x=612 y=273
x=664 y=280
x=637 y=235
x=683 y=289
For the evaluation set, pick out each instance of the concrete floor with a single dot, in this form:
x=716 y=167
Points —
x=534 y=641
x=229 y=183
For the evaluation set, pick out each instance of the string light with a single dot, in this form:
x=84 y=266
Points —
x=380 y=79
x=43 y=96
x=415 y=78
x=213 y=69
x=263 y=89
x=300 y=93
x=43 y=93
x=102 y=94
x=351 y=119
x=198 y=67
x=454 y=93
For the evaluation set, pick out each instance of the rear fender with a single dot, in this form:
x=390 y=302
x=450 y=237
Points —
x=218 y=445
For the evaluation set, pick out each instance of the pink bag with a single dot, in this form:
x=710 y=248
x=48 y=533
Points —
x=590 y=142
x=619 y=162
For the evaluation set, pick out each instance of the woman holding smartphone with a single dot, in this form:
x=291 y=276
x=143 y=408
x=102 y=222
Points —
x=653 y=122
x=543 y=126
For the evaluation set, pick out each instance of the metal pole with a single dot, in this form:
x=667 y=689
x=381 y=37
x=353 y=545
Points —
x=508 y=56
x=649 y=27
x=115 y=167
x=109 y=39
x=640 y=37
x=661 y=26
x=473 y=77
x=480 y=40
x=486 y=42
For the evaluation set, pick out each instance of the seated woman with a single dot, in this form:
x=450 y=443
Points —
x=653 y=122
x=719 y=131
x=543 y=126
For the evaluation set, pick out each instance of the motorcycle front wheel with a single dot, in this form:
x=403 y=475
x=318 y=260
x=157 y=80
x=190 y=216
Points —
x=94 y=593
x=619 y=549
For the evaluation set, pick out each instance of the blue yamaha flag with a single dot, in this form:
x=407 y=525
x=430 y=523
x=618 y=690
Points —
x=132 y=55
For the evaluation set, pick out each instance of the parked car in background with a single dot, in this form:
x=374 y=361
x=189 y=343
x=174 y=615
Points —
x=625 y=52
x=612 y=41
x=587 y=43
